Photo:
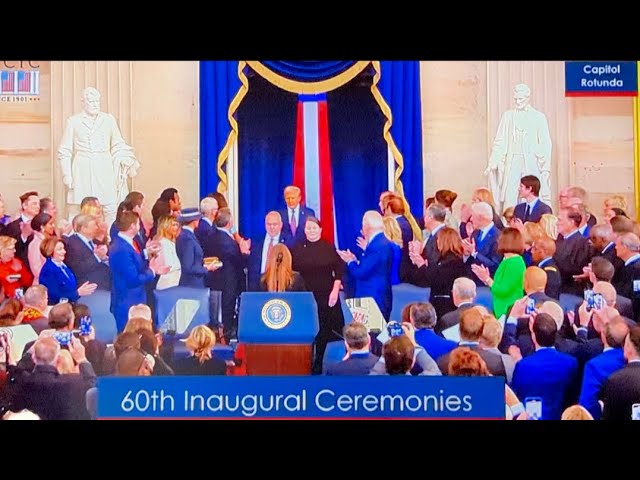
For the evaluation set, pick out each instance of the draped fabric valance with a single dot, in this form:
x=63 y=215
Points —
x=395 y=88
x=310 y=76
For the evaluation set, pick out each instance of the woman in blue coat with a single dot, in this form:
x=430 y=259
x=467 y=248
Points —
x=60 y=281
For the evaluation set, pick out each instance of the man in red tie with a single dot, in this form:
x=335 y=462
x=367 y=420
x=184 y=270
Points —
x=295 y=215
x=130 y=269
x=273 y=225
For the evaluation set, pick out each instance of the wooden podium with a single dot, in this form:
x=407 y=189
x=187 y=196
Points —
x=278 y=330
x=279 y=359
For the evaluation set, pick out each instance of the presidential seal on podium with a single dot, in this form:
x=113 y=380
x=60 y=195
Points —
x=276 y=314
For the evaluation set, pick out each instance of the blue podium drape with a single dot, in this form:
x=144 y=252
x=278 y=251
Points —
x=219 y=83
x=400 y=87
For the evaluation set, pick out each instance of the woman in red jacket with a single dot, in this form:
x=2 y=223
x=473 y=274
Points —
x=13 y=273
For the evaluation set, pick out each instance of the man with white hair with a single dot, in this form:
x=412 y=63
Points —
x=463 y=295
x=94 y=158
x=264 y=244
x=627 y=279
x=522 y=146
x=481 y=248
x=372 y=272
x=206 y=228
x=46 y=392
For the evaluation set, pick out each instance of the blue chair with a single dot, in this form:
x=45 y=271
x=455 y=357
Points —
x=99 y=303
x=569 y=302
x=181 y=309
x=405 y=293
x=484 y=298
x=334 y=353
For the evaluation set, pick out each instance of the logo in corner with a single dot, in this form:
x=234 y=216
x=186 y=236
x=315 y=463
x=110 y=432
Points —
x=276 y=314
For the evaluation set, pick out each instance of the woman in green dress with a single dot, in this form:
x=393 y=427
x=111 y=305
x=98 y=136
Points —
x=507 y=284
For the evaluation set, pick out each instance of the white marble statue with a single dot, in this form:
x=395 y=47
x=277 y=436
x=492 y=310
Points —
x=94 y=158
x=522 y=146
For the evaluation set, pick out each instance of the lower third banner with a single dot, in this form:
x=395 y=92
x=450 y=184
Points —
x=317 y=397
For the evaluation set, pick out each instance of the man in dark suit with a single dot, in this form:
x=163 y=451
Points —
x=572 y=197
x=548 y=373
x=295 y=215
x=481 y=248
x=229 y=279
x=471 y=324
x=189 y=251
x=463 y=295
x=46 y=392
x=434 y=219
x=423 y=317
x=209 y=209
x=169 y=203
x=62 y=319
x=604 y=245
x=627 y=281
x=532 y=209
x=542 y=253
x=130 y=270
x=372 y=272
x=359 y=359
x=262 y=248
x=622 y=390
x=20 y=228
x=87 y=261
x=572 y=251
x=133 y=202
x=600 y=368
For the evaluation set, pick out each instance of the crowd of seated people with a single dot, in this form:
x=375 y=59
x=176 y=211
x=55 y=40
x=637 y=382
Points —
x=580 y=358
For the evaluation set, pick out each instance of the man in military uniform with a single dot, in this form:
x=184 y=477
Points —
x=542 y=254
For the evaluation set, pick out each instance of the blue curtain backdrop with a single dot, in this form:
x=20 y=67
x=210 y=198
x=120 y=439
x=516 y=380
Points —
x=358 y=157
x=400 y=87
x=219 y=83
x=266 y=139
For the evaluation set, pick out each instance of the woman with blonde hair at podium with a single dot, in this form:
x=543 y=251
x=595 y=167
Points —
x=279 y=275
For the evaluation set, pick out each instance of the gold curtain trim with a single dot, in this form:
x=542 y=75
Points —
x=636 y=146
x=397 y=155
x=233 y=134
x=322 y=86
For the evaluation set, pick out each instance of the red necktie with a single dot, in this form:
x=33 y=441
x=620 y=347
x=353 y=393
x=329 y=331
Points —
x=269 y=248
x=136 y=247
x=292 y=223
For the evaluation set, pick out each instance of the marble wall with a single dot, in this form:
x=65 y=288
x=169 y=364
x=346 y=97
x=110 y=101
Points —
x=156 y=105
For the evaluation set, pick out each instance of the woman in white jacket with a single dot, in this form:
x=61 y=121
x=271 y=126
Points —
x=168 y=229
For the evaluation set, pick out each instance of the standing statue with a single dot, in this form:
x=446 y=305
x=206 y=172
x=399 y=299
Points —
x=522 y=146
x=95 y=159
